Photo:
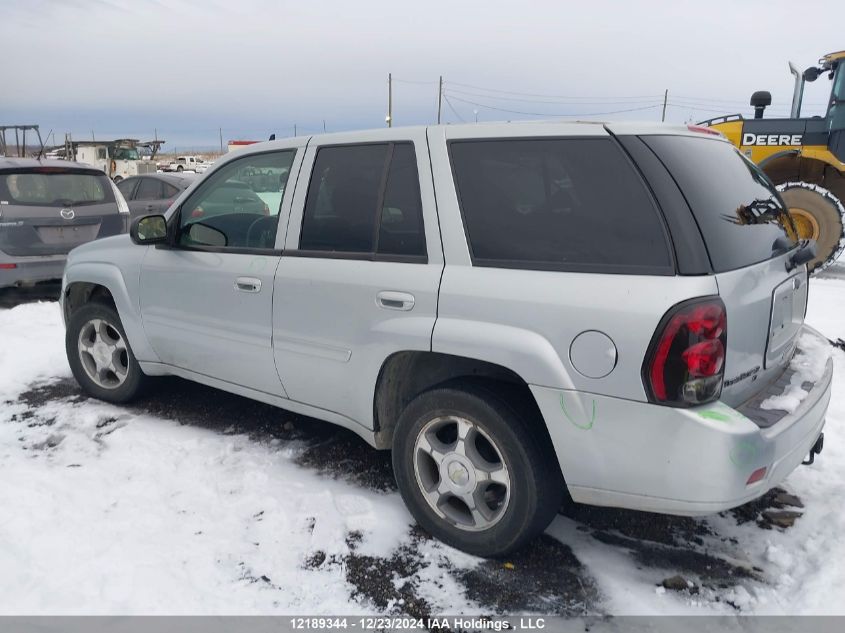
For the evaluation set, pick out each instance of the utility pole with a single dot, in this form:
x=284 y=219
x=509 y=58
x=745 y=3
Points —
x=221 y=140
x=665 y=97
x=324 y=126
x=389 y=118
x=440 y=99
x=294 y=129
x=92 y=135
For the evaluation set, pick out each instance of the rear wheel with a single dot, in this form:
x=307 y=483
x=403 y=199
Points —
x=473 y=472
x=818 y=215
x=99 y=354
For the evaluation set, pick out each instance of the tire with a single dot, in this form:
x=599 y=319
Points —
x=126 y=381
x=507 y=515
x=117 y=179
x=818 y=215
x=179 y=168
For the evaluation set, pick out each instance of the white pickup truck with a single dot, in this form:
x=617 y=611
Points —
x=187 y=163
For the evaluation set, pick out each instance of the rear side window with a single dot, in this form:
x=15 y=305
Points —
x=55 y=189
x=149 y=189
x=364 y=199
x=558 y=204
x=742 y=219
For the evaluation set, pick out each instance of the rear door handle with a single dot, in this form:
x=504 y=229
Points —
x=393 y=300
x=248 y=284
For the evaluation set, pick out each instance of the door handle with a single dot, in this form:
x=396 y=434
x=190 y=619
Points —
x=395 y=300
x=248 y=284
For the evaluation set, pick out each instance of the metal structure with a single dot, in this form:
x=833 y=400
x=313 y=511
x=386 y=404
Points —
x=20 y=139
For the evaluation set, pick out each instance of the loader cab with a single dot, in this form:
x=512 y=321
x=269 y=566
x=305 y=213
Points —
x=836 y=107
x=832 y=126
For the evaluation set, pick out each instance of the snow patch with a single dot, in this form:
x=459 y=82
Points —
x=808 y=365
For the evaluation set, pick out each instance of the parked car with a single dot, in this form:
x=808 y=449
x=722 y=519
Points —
x=153 y=193
x=522 y=313
x=187 y=163
x=46 y=209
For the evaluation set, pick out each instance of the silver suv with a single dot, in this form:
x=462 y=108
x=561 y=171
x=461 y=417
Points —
x=523 y=313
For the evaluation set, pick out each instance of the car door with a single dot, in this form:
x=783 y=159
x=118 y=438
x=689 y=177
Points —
x=206 y=297
x=146 y=197
x=358 y=279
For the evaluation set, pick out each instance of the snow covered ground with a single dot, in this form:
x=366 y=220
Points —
x=195 y=501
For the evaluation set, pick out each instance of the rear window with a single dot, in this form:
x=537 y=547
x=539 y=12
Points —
x=739 y=212
x=55 y=189
x=557 y=204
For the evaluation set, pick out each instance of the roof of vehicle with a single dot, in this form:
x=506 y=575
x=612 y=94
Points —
x=8 y=163
x=488 y=130
x=182 y=180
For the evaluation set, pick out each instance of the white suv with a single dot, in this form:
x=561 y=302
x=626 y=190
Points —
x=521 y=312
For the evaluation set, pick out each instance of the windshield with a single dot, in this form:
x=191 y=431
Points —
x=55 y=189
x=126 y=153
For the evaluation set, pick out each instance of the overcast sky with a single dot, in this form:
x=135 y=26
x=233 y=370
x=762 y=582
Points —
x=253 y=67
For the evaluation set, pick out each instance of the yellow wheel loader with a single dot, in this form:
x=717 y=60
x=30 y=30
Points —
x=805 y=157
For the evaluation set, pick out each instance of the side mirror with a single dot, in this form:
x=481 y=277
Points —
x=149 y=229
x=812 y=73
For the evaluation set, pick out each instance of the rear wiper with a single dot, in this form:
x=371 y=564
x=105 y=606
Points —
x=805 y=252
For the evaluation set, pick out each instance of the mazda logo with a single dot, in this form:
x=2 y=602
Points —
x=67 y=214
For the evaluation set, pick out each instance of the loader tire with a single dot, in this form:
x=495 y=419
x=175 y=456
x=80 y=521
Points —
x=819 y=215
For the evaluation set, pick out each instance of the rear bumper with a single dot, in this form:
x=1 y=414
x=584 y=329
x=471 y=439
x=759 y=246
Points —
x=30 y=270
x=697 y=461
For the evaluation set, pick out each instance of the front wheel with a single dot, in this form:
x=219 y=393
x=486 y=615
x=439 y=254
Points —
x=99 y=355
x=473 y=471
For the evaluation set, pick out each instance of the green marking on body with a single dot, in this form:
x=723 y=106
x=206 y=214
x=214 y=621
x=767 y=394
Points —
x=743 y=453
x=583 y=426
x=710 y=414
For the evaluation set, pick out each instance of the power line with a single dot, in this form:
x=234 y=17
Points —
x=484 y=105
x=553 y=101
x=452 y=108
x=547 y=96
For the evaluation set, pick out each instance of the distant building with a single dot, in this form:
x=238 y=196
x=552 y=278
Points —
x=233 y=145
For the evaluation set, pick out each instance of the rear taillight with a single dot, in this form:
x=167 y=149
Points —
x=198 y=212
x=8 y=266
x=686 y=360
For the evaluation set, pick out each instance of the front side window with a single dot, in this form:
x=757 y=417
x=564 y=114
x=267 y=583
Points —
x=364 y=199
x=557 y=204
x=235 y=207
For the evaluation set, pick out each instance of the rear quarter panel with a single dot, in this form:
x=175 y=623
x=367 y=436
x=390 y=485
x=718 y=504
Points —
x=526 y=320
